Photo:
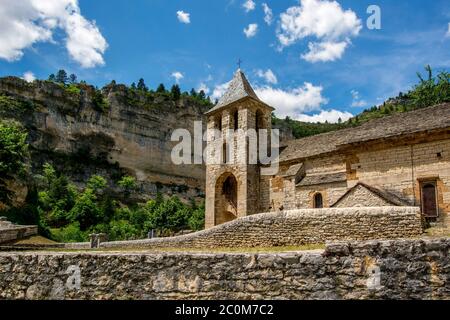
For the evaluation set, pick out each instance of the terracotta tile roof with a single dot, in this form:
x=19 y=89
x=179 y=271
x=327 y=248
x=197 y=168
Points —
x=421 y=120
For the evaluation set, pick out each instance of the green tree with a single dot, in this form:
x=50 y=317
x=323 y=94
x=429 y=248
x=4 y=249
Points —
x=73 y=78
x=161 y=88
x=196 y=221
x=176 y=92
x=202 y=95
x=96 y=183
x=128 y=184
x=86 y=211
x=52 y=77
x=133 y=86
x=193 y=93
x=61 y=76
x=13 y=156
x=141 y=85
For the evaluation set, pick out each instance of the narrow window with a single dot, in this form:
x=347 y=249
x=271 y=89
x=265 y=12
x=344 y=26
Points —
x=224 y=153
x=236 y=120
x=318 y=201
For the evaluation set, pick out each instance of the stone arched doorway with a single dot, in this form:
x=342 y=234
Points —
x=226 y=199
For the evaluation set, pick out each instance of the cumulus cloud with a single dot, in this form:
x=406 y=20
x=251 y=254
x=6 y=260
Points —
x=324 y=20
x=184 y=17
x=177 y=75
x=268 y=14
x=29 y=76
x=267 y=75
x=27 y=22
x=220 y=89
x=324 y=51
x=249 y=5
x=203 y=87
x=251 y=30
x=293 y=102
x=356 y=100
x=331 y=116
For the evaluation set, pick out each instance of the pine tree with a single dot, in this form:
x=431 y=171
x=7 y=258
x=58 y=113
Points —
x=73 y=78
x=52 y=77
x=61 y=76
x=193 y=93
x=141 y=85
x=161 y=88
x=202 y=95
x=133 y=86
x=175 y=91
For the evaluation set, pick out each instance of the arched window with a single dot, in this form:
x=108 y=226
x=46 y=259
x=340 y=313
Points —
x=318 y=201
x=236 y=120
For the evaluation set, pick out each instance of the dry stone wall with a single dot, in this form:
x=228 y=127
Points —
x=297 y=227
x=402 y=269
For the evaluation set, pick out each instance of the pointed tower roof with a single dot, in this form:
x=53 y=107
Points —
x=239 y=88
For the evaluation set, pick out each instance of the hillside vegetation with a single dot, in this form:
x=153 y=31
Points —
x=430 y=90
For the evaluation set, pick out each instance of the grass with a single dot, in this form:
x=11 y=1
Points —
x=34 y=240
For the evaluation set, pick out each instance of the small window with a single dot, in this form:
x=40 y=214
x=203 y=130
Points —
x=318 y=201
x=236 y=120
x=429 y=200
x=224 y=153
x=219 y=123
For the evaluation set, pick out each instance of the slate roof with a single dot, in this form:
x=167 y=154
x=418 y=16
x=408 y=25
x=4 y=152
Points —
x=239 y=88
x=421 y=120
x=322 y=179
x=387 y=196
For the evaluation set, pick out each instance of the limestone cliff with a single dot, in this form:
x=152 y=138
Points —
x=126 y=133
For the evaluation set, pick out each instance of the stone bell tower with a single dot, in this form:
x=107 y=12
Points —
x=233 y=172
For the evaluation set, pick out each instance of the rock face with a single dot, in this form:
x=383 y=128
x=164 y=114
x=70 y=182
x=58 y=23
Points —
x=399 y=269
x=131 y=135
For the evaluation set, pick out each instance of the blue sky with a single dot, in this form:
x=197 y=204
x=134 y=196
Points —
x=313 y=60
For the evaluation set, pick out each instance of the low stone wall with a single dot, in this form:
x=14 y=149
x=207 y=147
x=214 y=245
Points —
x=297 y=227
x=16 y=233
x=394 y=269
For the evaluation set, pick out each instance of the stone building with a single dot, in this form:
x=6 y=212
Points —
x=399 y=160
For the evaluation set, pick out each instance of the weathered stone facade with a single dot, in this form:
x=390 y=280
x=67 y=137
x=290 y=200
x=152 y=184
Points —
x=294 y=228
x=402 y=269
x=405 y=156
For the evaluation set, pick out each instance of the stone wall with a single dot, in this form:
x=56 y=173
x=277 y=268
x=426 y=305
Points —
x=296 y=227
x=403 y=269
x=12 y=232
x=361 y=196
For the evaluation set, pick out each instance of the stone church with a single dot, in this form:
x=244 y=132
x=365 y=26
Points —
x=399 y=160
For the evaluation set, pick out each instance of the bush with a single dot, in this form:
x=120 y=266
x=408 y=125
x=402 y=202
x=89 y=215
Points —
x=70 y=233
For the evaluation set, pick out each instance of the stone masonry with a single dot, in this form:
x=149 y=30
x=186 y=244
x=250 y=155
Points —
x=400 y=269
x=294 y=228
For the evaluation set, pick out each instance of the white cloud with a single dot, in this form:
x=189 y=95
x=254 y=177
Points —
x=324 y=51
x=29 y=76
x=249 y=5
x=177 y=75
x=267 y=75
x=184 y=17
x=220 y=89
x=332 y=116
x=268 y=14
x=251 y=30
x=448 y=31
x=324 y=20
x=293 y=102
x=203 y=87
x=357 y=101
x=27 y=22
